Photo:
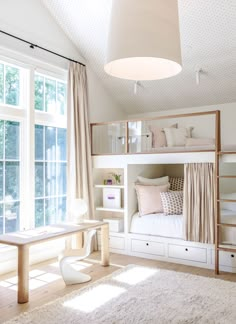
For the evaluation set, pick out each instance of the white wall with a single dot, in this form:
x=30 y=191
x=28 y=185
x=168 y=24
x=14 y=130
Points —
x=102 y=106
x=202 y=129
x=30 y=20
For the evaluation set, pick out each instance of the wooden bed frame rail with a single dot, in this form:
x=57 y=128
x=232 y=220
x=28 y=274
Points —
x=127 y=121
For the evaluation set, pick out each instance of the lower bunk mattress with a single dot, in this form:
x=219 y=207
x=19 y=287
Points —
x=172 y=226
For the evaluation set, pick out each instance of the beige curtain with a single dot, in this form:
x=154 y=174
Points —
x=79 y=170
x=199 y=202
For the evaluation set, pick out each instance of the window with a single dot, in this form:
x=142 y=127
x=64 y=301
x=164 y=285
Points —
x=50 y=95
x=9 y=176
x=9 y=85
x=32 y=190
x=50 y=175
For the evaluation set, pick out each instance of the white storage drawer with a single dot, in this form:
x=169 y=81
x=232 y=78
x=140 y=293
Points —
x=226 y=259
x=115 y=225
x=148 y=247
x=115 y=242
x=187 y=253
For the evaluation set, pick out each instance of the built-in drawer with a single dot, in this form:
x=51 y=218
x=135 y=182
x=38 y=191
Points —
x=187 y=253
x=115 y=242
x=226 y=259
x=148 y=247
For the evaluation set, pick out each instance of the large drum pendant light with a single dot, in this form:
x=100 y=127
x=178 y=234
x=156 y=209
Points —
x=144 y=40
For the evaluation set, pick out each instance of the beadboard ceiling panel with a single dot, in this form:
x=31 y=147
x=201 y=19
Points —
x=208 y=41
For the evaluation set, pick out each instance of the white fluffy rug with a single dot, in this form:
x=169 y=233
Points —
x=142 y=295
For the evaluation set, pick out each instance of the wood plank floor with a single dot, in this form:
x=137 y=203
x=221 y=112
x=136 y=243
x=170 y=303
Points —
x=46 y=283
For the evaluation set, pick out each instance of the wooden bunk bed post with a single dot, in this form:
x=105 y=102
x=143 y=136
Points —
x=91 y=138
x=217 y=186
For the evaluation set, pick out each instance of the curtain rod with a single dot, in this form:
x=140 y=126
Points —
x=32 y=45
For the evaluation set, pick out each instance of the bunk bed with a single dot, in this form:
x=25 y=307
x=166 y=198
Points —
x=130 y=147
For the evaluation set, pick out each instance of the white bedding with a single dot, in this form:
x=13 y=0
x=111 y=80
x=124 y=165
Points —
x=172 y=225
x=181 y=149
x=158 y=224
x=189 y=148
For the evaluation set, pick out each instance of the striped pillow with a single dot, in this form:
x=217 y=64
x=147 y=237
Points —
x=172 y=202
x=176 y=183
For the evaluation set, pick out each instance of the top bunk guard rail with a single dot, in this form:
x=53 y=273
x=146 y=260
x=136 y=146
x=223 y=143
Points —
x=126 y=136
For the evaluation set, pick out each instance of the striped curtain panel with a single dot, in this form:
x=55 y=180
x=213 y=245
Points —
x=199 y=202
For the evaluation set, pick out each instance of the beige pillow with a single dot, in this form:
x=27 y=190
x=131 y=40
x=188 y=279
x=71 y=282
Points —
x=149 y=200
x=199 y=141
x=177 y=136
x=155 y=182
x=158 y=135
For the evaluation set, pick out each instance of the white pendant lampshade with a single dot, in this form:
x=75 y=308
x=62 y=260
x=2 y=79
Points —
x=144 y=40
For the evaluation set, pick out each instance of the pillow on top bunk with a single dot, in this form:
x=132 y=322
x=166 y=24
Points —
x=176 y=183
x=149 y=200
x=177 y=136
x=155 y=182
x=199 y=141
x=172 y=202
x=158 y=135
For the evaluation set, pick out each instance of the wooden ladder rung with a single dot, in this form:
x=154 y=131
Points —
x=227 y=177
x=226 y=200
x=226 y=152
x=227 y=225
x=226 y=249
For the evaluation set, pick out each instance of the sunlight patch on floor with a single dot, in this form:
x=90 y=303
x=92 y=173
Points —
x=49 y=277
x=35 y=273
x=94 y=298
x=54 y=264
x=38 y=278
x=135 y=275
x=5 y=284
x=80 y=265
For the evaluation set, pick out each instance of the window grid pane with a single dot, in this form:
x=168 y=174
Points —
x=9 y=176
x=2 y=83
x=12 y=86
x=39 y=93
x=50 y=95
x=50 y=175
x=10 y=81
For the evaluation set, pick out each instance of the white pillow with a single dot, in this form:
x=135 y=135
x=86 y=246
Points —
x=154 y=182
x=228 y=205
x=177 y=136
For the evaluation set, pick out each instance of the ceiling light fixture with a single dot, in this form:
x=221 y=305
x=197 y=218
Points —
x=144 y=40
x=198 y=72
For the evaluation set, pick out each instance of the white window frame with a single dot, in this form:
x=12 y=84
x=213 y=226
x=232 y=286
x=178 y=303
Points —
x=28 y=117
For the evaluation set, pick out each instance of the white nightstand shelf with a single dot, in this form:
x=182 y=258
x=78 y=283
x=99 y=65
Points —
x=117 y=210
x=109 y=186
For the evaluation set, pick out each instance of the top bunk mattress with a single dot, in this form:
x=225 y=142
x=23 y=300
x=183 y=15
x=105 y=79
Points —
x=195 y=148
x=174 y=149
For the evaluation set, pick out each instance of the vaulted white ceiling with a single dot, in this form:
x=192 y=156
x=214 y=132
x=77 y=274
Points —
x=208 y=41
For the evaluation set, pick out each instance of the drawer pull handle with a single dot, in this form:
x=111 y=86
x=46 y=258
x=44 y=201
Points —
x=186 y=249
x=232 y=255
x=147 y=244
